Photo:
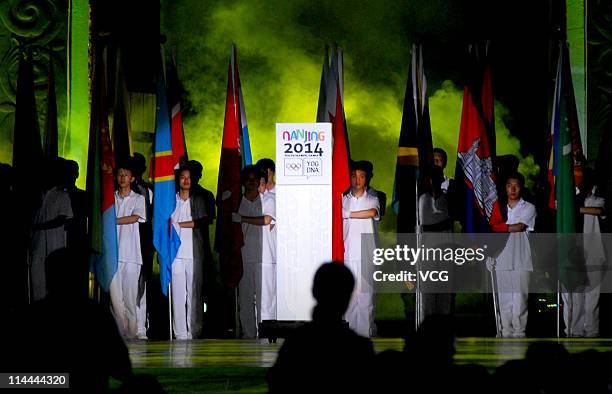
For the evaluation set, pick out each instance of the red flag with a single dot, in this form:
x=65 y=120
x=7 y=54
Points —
x=228 y=237
x=340 y=178
x=179 y=151
x=474 y=173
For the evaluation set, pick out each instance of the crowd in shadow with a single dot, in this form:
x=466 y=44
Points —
x=325 y=355
x=68 y=332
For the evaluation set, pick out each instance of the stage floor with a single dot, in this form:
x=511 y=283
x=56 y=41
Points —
x=224 y=353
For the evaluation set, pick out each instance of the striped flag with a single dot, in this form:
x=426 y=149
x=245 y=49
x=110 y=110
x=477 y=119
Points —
x=476 y=195
x=414 y=152
x=228 y=235
x=165 y=238
x=245 y=142
x=100 y=182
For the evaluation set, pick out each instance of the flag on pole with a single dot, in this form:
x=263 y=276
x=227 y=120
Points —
x=322 y=114
x=331 y=109
x=340 y=178
x=121 y=120
x=228 y=235
x=27 y=149
x=565 y=163
x=165 y=238
x=477 y=203
x=51 y=143
x=179 y=150
x=100 y=182
x=415 y=149
x=245 y=141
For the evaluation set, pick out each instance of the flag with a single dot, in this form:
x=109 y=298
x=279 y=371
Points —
x=165 y=238
x=121 y=120
x=415 y=150
x=50 y=148
x=27 y=149
x=322 y=114
x=228 y=235
x=100 y=182
x=331 y=109
x=476 y=195
x=566 y=146
x=245 y=142
x=179 y=150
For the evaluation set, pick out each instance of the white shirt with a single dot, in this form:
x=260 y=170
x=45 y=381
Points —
x=593 y=246
x=55 y=203
x=432 y=210
x=353 y=228
x=251 y=251
x=516 y=255
x=268 y=203
x=445 y=183
x=128 y=235
x=182 y=213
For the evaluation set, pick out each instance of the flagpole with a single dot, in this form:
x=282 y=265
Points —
x=558 y=311
x=418 y=295
x=170 y=310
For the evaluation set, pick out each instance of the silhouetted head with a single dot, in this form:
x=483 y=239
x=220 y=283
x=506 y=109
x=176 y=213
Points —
x=196 y=170
x=139 y=165
x=332 y=287
x=65 y=269
x=72 y=172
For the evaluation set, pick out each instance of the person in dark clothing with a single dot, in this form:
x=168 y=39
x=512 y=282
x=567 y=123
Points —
x=55 y=334
x=325 y=355
x=144 y=297
x=76 y=229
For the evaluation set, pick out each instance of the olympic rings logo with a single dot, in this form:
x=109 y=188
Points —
x=293 y=166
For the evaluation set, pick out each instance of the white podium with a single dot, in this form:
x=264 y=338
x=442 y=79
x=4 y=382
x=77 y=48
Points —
x=303 y=213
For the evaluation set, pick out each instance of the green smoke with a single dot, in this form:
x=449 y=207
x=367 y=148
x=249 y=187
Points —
x=280 y=52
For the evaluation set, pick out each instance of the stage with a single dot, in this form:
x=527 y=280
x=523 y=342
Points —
x=227 y=365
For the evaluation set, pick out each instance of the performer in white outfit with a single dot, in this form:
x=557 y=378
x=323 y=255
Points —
x=581 y=306
x=130 y=210
x=49 y=232
x=182 y=266
x=249 y=288
x=360 y=210
x=268 y=264
x=514 y=264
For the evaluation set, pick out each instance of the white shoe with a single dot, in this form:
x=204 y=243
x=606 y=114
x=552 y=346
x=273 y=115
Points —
x=142 y=336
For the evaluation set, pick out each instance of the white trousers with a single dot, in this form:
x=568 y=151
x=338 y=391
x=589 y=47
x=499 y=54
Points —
x=360 y=312
x=187 y=307
x=581 y=308
x=123 y=293
x=268 y=292
x=141 y=314
x=249 y=298
x=512 y=293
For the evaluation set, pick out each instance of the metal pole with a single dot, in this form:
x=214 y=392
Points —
x=418 y=295
x=495 y=303
x=170 y=310
x=236 y=318
x=558 y=310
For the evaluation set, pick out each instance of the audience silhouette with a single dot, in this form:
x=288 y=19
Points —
x=67 y=332
x=325 y=354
